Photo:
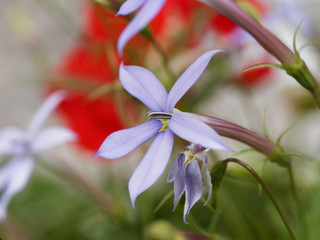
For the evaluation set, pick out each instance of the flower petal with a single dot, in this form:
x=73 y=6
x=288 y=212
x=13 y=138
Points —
x=130 y=6
x=8 y=136
x=50 y=137
x=179 y=183
x=193 y=187
x=195 y=131
x=14 y=177
x=173 y=170
x=120 y=143
x=43 y=112
x=207 y=181
x=145 y=86
x=152 y=165
x=188 y=78
x=149 y=10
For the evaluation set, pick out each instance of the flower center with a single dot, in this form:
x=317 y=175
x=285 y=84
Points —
x=159 y=115
x=22 y=147
x=164 y=117
x=193 y=153
x=165 y=124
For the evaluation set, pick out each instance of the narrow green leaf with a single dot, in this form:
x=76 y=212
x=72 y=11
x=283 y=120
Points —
x=272 y=65
x=286 y=131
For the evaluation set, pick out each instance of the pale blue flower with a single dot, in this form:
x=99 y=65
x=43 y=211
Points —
x=165 y=122
x=21 y=148
x=186 y=171
x=149 y=9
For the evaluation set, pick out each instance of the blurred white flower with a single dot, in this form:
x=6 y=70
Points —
x=22 y=146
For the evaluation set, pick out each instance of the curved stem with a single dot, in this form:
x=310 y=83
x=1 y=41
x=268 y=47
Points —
x=294 y=65
x=264 y=37
x=268 y=191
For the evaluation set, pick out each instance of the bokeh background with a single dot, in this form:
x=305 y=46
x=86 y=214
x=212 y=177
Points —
x=47 y=45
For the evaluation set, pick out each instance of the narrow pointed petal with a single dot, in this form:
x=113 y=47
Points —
x=193 y=187
x=207 y=181
x=51 y=137
x=195 y=131
x=8 y=137
x=14 y=177
x=179 y=186
x=120 y=143
x=145 y=86
x=173 y=170
x=43 y=112
x=148 y=11
x=188 y=78
x=130 y=6
x=152 y=165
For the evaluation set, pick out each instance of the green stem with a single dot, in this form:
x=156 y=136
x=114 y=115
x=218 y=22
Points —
x=298 y=202
x=268 y=191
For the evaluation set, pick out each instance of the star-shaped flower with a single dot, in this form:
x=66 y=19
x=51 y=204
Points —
x=22 y=147
x=165 y=122
x=149 y=9
x=186 y=174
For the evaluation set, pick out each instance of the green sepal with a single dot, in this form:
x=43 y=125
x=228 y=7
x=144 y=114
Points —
x=272 y=65
x=265 y=127
x=300 y=72
x=286 y=131
x=281 y=158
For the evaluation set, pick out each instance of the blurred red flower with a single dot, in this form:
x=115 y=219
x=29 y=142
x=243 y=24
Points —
x=224 y=26
x=254 y=77
x=93 y=62
x=83 y=70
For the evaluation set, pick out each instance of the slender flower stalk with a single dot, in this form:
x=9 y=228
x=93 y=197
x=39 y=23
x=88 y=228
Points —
x=165 y=121
x=23 y=146
x=291 y=61
x=265 y=38
x=268 y=191
x=241 y=134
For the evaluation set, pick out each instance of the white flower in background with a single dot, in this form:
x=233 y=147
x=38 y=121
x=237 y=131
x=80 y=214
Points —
x=22 y=146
